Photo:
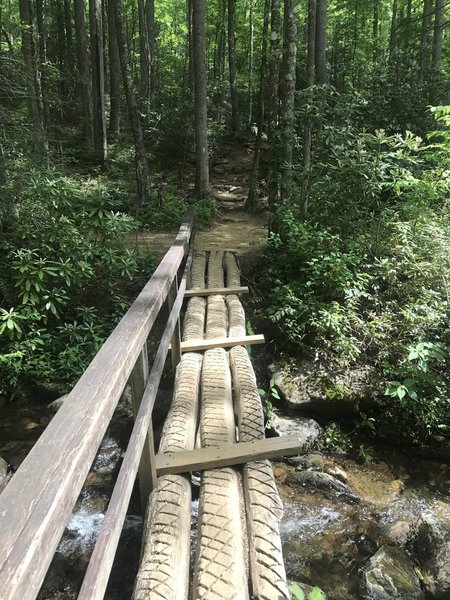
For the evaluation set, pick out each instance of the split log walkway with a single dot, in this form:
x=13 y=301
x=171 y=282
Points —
x=239 y=509
x=215 y=425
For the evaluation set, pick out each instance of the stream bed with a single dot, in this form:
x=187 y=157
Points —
x=343 y=520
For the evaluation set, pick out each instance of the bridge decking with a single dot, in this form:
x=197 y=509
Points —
x=216 y=412
x=238 y=549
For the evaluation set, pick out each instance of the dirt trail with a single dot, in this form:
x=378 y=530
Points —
x=233 y=228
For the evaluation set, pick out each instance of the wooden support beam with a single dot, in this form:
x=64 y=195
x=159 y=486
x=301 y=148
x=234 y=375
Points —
x=226 y=455
x=199 y=345
x=223 y=291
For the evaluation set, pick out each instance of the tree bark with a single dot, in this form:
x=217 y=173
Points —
x=437 y=48
x=321 y=43
x=35 y=104
x=251 y=27
x=250 y=203
x=42 y=33
x=142 y=171
x=307 y=133
x=114 y=73
x=83 y=60
x=425 y=41
x=144 y=53
x=151 y=35
x=273 y=92
x=201 y=116
x=232 y=64
x=393 y=34
x=287 y=109
x=98 y=82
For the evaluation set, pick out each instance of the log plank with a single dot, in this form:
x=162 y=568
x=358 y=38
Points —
x=226 y=455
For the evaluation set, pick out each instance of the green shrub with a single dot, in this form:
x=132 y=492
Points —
x=364 y=279
x=68 y=278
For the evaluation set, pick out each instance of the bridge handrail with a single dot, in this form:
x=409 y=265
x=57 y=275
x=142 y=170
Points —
x=38 y=501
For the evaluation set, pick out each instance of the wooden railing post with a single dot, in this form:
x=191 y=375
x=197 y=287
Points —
x=147 y=465
x=176 y=340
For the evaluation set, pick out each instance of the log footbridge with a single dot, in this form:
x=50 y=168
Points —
x=215 y=426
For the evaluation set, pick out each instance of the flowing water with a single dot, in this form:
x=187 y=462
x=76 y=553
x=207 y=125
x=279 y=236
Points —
x=327 y=539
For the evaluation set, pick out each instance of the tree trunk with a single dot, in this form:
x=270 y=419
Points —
x=151 y=36
x=232 y=64
x=142 y=172
x=274 y=77
x=307 y=134
x=250 y=203
x=393 y=34
x=250 y=64
x=425 y=41
x=35 y=104
x=42 y=33
x=287 y=109
x=144 y=53
x=98 y=81
x=83 y=68
x=114 y=73
x=321 y=43
x=437 y=48
x=201 y=116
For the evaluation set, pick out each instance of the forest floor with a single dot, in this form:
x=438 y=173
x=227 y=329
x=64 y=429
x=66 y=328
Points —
x=233 y=228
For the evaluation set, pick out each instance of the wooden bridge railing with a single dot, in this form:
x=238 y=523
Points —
x=37 y=503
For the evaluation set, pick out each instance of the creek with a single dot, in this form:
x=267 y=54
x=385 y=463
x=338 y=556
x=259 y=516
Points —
x=336 y=517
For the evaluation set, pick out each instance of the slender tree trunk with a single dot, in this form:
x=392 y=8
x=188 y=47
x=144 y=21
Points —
x=201 y=116
x=114 y=73
x=393 y=34
x=83 y=60
x=307 y=134
x=273 y=92
x=250 y=63
x=151 y=36
x=425 y=41
x=42 y=32
x=287 y=114
x=437 y=48
x=232 y=64
x=142 y=171
x=321 y=43
x=98 y=82
x=144 y=53
x=252 y=193
x=376 y=34
x=35 y=104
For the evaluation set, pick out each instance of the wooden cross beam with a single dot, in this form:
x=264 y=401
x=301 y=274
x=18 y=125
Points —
x=199 y=345
x=215 y=291
x=227 y=455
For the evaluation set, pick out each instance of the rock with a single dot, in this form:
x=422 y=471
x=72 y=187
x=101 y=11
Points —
x=432 y=548
x=4 y=476
x=337 y=472
x=390 y=575
x=310 y=386
x=308 y=430
x=399 y=532
x=54 y=406
x=313 y=462
x=324 y=482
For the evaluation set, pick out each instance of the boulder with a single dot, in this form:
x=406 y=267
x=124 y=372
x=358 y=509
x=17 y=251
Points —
x=317 y=480
x=311 y=386
x=308 y=430
x=54 y=406
x=4 y=476
x=390 y=575
x=432 y=548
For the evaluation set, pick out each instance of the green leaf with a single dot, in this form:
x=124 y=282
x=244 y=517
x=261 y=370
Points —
x=317 y=594
x=296 y=591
